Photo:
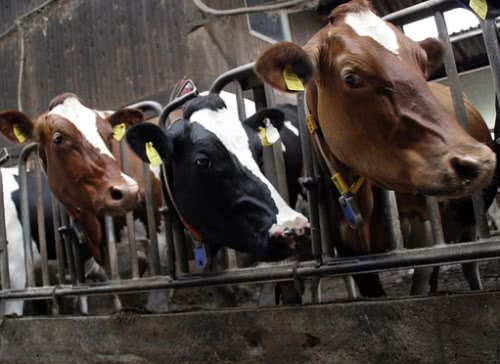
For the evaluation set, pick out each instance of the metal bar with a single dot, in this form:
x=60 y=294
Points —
x=57 y=239
x=129 y=217
x=492 y=45
x=111 y=240
x=178 y=102
x=435 y=220
x=308 y=166
x=4 y=254
x=70 y=260
x=459 y=106
x=392 y=217
x=147 y=105
x=40 y=216
x=151 y=223
x=448 y=254
x=113 y=258
x=239 y=73
x=25 y=213
x=420 y=11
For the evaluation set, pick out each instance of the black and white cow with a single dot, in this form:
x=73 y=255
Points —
x=216 y=182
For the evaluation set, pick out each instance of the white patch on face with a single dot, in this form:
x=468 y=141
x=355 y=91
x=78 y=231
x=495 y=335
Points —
x=84 y=119
x=231 y=133
x=366 y=23
x=291 y=127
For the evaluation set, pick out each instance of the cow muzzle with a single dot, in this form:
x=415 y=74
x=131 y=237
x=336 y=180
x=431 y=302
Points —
x=468 y=169
x=121 y=197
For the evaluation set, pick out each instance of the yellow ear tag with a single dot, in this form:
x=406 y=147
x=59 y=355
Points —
x=292 y=81
x=19 y=134
x=152 y=154
x=480 y=7
x=119 y=131
x=263 y=137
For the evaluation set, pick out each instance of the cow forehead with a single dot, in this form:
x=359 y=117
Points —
x=366 y=23
x=84 y=119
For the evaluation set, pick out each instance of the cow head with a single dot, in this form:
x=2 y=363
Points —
x=216 y=182
x=74 y=149
x=366 y=85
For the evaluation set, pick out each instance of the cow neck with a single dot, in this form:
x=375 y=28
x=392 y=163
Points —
x=347 y=199
x=328 y=159
x=194 y=233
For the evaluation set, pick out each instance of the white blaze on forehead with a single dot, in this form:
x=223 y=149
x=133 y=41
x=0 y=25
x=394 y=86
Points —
x=366 y=23
x=225 y=125
x=84 y=119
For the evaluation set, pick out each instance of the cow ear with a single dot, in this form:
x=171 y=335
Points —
x=257 y=120
x=16 y=126
x=129 y=117
x=286 y=67
x=434 y=49
x=149 y=142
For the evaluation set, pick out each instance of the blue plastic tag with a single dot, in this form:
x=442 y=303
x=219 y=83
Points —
x=351 y=210
x=200 y=256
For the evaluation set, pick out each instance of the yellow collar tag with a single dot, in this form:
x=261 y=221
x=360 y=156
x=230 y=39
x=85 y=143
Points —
x=292 y=81
x=152 y=154
x=312 y=125
x=263 y=137
x=119 y=131
x=19 y=134
x=480 y=7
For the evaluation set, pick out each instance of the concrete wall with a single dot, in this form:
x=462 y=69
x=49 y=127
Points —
x=449 y=329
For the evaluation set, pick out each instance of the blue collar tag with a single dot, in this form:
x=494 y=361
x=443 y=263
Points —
x=200 y=256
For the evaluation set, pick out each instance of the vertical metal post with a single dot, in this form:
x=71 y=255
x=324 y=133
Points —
x=435 y=219
x=392 y=219
x=150 y=215
x=4 y=254
x=40 y=216
x=67 y=248
x=113 y=257
x=129 y=218
x=57 y=240
x=458 y=104
x=492 y=45
x=312 y=192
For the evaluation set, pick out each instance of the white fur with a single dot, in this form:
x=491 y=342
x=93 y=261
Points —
x=291 y=127
x=366 y=23
x=15 y=247
x=84 y=119
x=232 y=135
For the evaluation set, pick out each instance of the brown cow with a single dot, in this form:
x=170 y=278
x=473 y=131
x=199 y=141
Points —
x=366 y=87
x=74 y=147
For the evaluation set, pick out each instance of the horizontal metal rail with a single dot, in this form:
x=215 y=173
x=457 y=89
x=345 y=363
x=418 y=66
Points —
x=404 y=259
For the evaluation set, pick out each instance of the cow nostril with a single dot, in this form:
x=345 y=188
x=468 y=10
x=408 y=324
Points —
x=116 y=194
x=467 y=168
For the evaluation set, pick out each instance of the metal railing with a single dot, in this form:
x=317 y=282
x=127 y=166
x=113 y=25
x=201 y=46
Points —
x=171 y=269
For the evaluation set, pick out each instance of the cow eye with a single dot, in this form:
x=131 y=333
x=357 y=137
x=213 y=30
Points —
x=57 y=138
x=351 y=79
x=203 y=162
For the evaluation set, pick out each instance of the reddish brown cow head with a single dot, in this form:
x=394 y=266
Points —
x=74 y=148
x=366 y=85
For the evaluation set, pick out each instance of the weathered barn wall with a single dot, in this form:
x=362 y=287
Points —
x=114 y=52
x=434 y=330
